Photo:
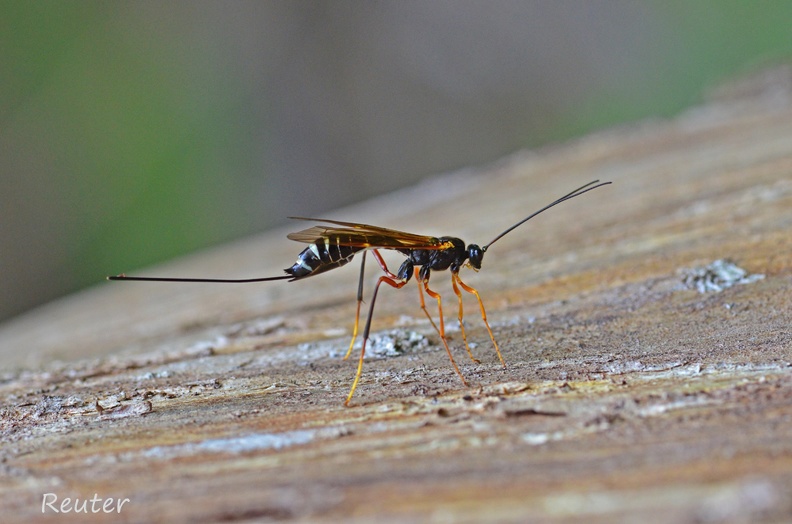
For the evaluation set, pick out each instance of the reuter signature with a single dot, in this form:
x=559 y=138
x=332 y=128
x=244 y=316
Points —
x=96 y=504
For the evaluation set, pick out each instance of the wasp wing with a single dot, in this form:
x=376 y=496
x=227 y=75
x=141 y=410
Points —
x=365 y=236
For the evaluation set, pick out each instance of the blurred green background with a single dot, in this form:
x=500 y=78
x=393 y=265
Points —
x=132 y=132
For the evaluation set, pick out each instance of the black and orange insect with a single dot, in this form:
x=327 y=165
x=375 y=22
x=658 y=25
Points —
x=335 y=243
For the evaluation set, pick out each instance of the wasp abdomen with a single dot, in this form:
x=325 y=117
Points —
x=321 y=256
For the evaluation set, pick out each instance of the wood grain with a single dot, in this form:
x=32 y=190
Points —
x=628 y=396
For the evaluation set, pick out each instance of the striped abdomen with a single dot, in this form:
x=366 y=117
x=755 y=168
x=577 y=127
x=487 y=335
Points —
x=320 y=257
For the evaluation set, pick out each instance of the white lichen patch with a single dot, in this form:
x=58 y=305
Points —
x=395 y=342
x=717 y=276
x=384 y=344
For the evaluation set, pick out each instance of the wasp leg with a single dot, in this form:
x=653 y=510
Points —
x=384 y=267
x=455 y=276
x=423 y=304
x=425 y=284
x=359 y=301
x=461 y=315
x=392 y=283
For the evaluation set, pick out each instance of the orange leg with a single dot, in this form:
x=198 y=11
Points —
x=455 y=277
x=423 y=305
x=441 y=331
x=461 y=315
x=393 y=283
x=384 y=267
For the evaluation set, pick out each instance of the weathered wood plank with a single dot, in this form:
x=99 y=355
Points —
x=629 y=394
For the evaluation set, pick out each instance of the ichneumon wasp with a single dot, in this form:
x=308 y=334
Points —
x=335 y=243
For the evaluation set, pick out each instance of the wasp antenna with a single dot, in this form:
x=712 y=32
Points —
x=577 y=192
x=217 y=280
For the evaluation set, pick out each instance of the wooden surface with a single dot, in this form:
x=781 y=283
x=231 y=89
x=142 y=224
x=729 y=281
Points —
x=629 y=395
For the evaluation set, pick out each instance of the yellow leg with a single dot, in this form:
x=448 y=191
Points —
x=359 y=300
x=354 y=331
x=423 y=305
x=366 y=331
x=460 y=316
x=441 y=331
x=469 y=289
x=387 y=271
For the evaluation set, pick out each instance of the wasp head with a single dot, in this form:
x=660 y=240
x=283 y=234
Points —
x=475 y=255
